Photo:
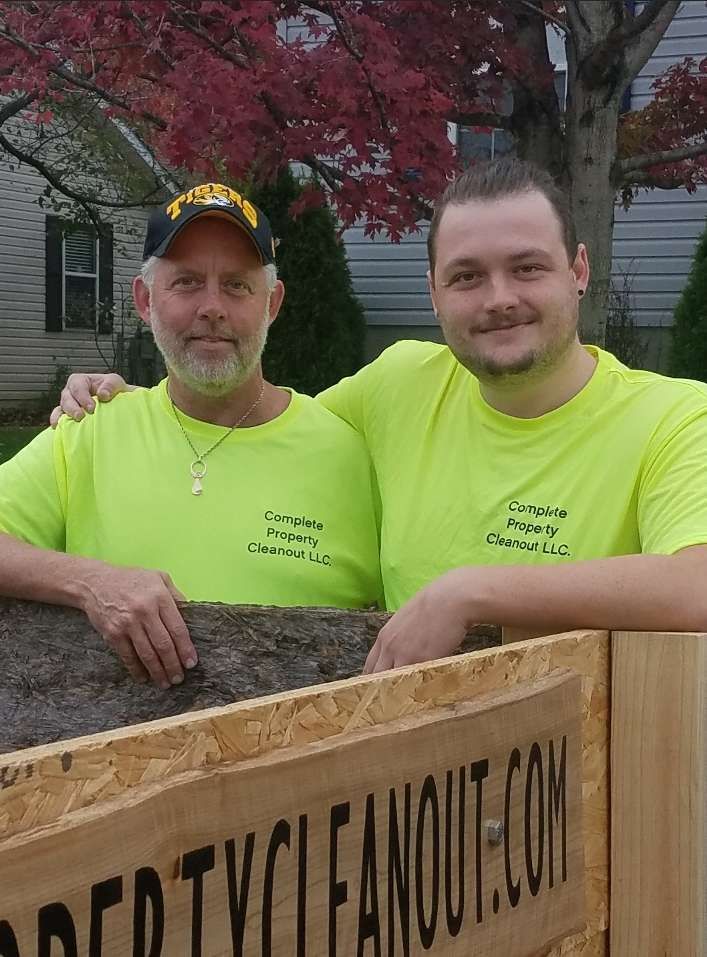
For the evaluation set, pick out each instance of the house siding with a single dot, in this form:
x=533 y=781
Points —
x=653 y=241
x=30 y=356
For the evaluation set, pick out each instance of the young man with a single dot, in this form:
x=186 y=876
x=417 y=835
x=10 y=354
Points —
x=525 y=479
x=211 y=483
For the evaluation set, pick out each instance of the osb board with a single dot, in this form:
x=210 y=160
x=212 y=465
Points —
x=350 y=844
x=39 y=785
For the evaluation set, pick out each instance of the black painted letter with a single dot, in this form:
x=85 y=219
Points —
x=148 y=885
x=428 y=795
x=238 y=902
x=535 y=874
x=369 y=920
x=478 y=770
x=103 y=895
x=280 y=837
x=399 y=872
x=454 y=920
x=338 y=890
x=194 y=865
x=558 y=796
x=8 y=941
x=302 y=887
x=513 y=889
x=55 y=920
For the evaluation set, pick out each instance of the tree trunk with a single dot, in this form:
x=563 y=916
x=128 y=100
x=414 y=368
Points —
x=536 y=118
x=590 y=156
x=60 y=680
x=596 y=82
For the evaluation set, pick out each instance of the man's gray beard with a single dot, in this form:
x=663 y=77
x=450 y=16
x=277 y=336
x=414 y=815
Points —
x=212 y=377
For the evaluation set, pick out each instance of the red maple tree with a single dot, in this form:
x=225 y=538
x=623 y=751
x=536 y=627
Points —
x=360 y=92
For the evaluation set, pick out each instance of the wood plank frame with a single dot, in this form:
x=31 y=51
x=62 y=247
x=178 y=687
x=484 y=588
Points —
x=41 y=785
x=659 y=795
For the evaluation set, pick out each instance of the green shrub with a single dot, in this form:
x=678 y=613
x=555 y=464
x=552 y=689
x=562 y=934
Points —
x=319 y=335
x=688 y=356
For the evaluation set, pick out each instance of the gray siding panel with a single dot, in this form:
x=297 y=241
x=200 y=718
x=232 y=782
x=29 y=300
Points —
x=653 y=241
x=29 y=355
x=389 y=278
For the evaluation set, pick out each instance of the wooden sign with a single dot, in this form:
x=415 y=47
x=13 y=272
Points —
x=456 y=832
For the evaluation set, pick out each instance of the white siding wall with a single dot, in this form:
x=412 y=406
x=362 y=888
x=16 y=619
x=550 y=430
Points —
x=28 y=354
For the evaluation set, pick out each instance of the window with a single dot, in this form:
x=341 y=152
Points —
x=79 y=276
x=80 y=272
x=474 y=144
x=561 y=86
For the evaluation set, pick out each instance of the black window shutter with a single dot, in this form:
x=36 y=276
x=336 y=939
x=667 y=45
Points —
x=52 y=278
x=105 y=279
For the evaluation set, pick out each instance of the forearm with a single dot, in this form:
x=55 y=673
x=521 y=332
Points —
x=631 y=592
x=39 y=574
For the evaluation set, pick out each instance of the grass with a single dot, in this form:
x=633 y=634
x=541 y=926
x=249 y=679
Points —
x=13 y=438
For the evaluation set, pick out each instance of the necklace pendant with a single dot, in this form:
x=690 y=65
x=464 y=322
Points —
x=198 y=471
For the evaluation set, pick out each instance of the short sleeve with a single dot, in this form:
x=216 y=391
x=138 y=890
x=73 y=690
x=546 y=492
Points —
x=33 y=493
x=347 y=398
x=362 y=399
x=672 y=497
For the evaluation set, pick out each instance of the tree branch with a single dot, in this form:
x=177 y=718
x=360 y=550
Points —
x=240 y=61
x=546 y=16
x=332 y=177
x=633 y=26
x=648 y=180
x=146 y=36
x=659 y=158
x=74 y=79
x=359 y=57
x=16 y=106
x=122 y=104
x=642 y=36
x=84 y=201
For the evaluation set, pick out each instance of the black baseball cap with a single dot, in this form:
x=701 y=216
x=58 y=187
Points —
x=215 y=199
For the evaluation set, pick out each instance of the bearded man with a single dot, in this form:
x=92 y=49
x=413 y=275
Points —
x=525 y=478
x=215 y=485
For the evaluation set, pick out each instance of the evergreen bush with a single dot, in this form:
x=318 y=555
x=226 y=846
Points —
x=319 y=335
x=688 y=356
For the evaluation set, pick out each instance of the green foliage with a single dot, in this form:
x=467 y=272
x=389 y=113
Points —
x=13 y=439
x=688 y=357
x=319 y=335
x=47 y=400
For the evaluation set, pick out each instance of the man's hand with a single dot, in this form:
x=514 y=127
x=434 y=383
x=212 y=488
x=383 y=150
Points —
x=136 y=612
x=431 y=625
x=76 y=396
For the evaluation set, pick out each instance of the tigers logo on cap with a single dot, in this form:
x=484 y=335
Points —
x=165 y=223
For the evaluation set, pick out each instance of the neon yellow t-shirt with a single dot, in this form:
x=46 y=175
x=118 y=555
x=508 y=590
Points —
x=287 y=515
x=619 y=469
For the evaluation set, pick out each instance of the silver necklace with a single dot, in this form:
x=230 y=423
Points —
x=198 y=466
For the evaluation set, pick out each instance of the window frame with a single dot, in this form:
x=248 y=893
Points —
x=95 y=275
x=55 y=272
